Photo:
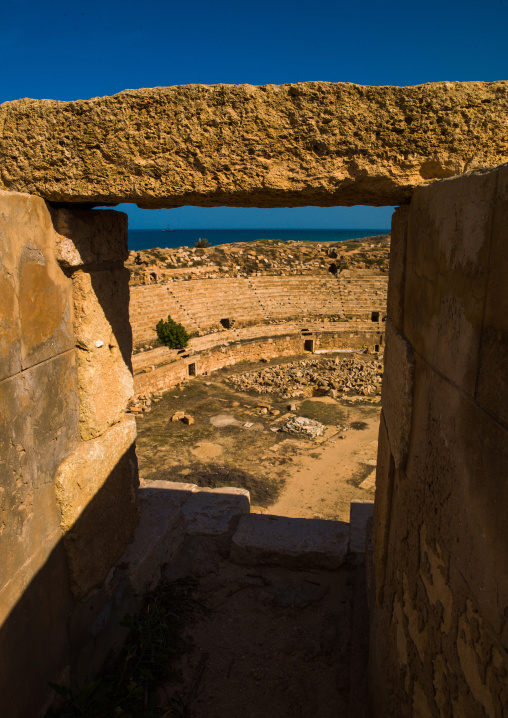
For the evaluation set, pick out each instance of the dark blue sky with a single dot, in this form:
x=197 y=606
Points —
x=72 y=50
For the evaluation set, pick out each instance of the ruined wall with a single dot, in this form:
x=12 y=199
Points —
x=162 y=368
x=313 y=143
x=68 y=470
x=439 y=617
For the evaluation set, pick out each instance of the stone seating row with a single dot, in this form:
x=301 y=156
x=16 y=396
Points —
x=201 y=304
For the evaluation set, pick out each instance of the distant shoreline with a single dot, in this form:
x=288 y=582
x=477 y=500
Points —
x=140 y=239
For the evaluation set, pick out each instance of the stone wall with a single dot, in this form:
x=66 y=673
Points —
x=439 y=617
x=162 y=368
x=313 y=143
x=68 y=470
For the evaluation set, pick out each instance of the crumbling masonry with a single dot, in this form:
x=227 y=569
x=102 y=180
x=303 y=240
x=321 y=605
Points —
x=69 y=504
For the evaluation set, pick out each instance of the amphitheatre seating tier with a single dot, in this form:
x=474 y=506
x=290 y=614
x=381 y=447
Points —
x=201 y=304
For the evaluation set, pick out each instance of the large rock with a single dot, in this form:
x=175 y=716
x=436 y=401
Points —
x=313 y=143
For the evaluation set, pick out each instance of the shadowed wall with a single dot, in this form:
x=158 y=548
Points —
x=439 y=622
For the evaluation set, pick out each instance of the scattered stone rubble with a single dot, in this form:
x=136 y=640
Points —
x=307 y=377
x=301 y=426
x=143 y=403
x=258 y=258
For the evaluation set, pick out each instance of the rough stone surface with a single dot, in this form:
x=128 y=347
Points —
x=439 y=636
x=158 y=536
x=492 y=383
x=446 y=279
x=38 y=429
x=303 y=427
x=398 y=244
x=312 y=143
x=397 y=392
x=104 y=343
x=99 y=511
x=360 y=512
x=84 y=237
x=283 y=541
x=215 y=512
x=35 y=300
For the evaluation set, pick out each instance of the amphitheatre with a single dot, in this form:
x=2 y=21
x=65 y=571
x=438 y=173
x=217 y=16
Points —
x=391 y=599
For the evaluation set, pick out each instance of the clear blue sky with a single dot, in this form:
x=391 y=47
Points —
x=75 y=50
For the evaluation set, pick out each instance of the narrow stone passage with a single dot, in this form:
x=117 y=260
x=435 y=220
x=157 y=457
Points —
x=275 y=643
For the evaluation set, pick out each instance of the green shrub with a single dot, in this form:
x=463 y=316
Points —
x=202 y=243
x=172 y=334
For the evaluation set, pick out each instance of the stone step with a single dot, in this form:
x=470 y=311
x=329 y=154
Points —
x=289 y=542
x=170 y=514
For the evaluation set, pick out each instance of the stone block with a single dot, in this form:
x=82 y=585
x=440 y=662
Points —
x=104 y=341
x=95 y=489
x=459 y=455
x=88 y=237
x=293 y=543
x=397 y=277
x=359 y=513
x=382 y=508
x=492 y=382
x=446 y=274
x=35 y=295
x=317 y=143
x=38 y=427
x=34 y=641
x=397 y=392
x=158 y=536
x=215 y=512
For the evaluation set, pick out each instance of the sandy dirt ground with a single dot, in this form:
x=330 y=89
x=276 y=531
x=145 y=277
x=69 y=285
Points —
x=275 y=643
x=234 y=441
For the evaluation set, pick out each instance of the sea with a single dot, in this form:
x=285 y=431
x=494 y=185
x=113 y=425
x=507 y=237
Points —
x=150 y=238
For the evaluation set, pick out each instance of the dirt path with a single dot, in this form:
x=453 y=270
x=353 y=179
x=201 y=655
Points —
x=234 y=442
x=322 y=483
x=276 y=643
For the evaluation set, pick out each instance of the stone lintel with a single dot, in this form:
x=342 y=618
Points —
x=311 y=143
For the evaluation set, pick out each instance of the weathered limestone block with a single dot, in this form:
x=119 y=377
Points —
x=104 y=345
x=492 y=381
x=95 y=489
x=38 y=426
x=359 y=513
x=382 y=508
x=87 y=238
x=448 y=244
x=159 y=534
x=397 y=393
x=458 y=463
x=35 y=295
x=397 y=278
x=214 y=512
x=295 y=543
x=312 y=143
